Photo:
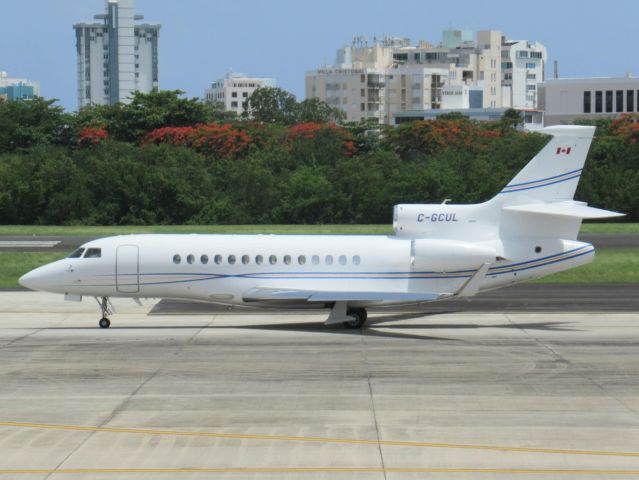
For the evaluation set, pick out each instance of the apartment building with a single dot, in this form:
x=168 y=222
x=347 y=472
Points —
x=568 y=99
x=390 y=75
x=523 y=69
x=116 y=55
x=234 y=89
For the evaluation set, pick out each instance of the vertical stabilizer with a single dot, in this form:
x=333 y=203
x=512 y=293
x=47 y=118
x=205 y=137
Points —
x=553 y=174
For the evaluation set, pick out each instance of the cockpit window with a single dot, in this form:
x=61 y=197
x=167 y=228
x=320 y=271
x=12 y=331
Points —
x=93 y=253
x=77 y=253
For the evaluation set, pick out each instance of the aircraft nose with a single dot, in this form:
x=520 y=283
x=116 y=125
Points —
x=29 y=280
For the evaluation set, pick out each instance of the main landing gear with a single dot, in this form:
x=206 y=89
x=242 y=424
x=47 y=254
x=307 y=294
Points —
x=359 y=315
x=106 y=307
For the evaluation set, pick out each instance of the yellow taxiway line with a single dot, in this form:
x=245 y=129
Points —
x=509 y=471
x=285 y=438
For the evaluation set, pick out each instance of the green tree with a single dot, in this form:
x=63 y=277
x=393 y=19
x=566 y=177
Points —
x=316 y=110
x=272 y=105
x=511 y=119
x=146 y=112
x=24 y=124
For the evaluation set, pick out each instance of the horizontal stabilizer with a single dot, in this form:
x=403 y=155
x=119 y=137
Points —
x=274 y=295
x=565 y=209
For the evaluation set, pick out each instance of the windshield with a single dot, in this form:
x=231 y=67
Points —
x=77 y=253
x=93 y=253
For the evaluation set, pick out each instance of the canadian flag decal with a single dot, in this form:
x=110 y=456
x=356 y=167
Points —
x=561 y=150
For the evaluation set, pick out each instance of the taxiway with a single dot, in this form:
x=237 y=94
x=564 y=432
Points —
x=273 y=395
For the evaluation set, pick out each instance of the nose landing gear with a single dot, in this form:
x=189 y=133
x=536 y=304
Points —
x=106 y=307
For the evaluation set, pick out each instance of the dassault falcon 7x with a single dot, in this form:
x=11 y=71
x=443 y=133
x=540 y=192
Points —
x=439 y=251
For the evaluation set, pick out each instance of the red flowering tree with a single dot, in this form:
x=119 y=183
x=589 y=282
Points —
x=90 y=136
x=220 y=141
x=626 y=126
x=430 y=136
x=172 y=135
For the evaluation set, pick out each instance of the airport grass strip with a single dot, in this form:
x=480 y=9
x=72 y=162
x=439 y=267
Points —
x=286 y=438
x=245 y=470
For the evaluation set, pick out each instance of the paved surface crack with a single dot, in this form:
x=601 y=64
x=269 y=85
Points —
x=372 y=397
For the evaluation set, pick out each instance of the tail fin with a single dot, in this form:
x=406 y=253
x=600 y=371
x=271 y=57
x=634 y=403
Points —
x=553 y=174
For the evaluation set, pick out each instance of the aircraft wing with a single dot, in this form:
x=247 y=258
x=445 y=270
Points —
x=285 y=295
x=275 y=295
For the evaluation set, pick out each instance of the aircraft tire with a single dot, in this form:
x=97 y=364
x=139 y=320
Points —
x=359 y=320
x=104 y=322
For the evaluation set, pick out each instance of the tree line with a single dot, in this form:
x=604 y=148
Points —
x=167 y=159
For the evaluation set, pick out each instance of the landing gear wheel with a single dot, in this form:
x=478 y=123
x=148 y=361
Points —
x=107 y=309
x=358 y=321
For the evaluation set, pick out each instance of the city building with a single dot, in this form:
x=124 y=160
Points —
x=116 y=55
x=523 y=68
x=565 y=100
x=390 y=75
x=17 y=88
x=234 y=89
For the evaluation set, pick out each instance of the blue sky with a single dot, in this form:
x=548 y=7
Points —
x=201 y=39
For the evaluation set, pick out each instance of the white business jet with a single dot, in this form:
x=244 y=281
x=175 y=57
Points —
x=439 y=251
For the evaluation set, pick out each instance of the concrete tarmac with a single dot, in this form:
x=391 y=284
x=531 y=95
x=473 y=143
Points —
x=472 y=395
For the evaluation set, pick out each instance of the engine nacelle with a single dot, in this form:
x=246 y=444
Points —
x=446 y=221
x=440 y=255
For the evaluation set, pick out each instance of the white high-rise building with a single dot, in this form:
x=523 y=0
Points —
x=523 y=68
x=234 y=89
x=116 y=56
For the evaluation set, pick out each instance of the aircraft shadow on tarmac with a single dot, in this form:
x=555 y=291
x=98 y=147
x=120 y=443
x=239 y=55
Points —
x=377 y=326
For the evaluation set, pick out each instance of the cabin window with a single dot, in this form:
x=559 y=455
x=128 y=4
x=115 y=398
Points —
x=356 y=260
x=93 y=253
x=259 y=259
x=204 y=259
x=315 y=259
x=301 y=259
x=245 y=259
x=190 y=259
x=177 y=259
x=287 y=259
x=77 y=253
x=218 y=259
x=329 y=260
x=272 y=259
x=342 y=259
x=231 y=259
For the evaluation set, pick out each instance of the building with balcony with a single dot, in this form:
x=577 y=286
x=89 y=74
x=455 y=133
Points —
x=17 y=88
x=390 y=75
x=116 y=56
x=234 y=89
x=377 y=94
x=565 y=100
x=523 y=68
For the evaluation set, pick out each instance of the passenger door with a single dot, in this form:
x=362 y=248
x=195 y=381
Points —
x=127 y=269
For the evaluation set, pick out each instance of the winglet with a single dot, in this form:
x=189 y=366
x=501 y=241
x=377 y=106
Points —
x=471 y=287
